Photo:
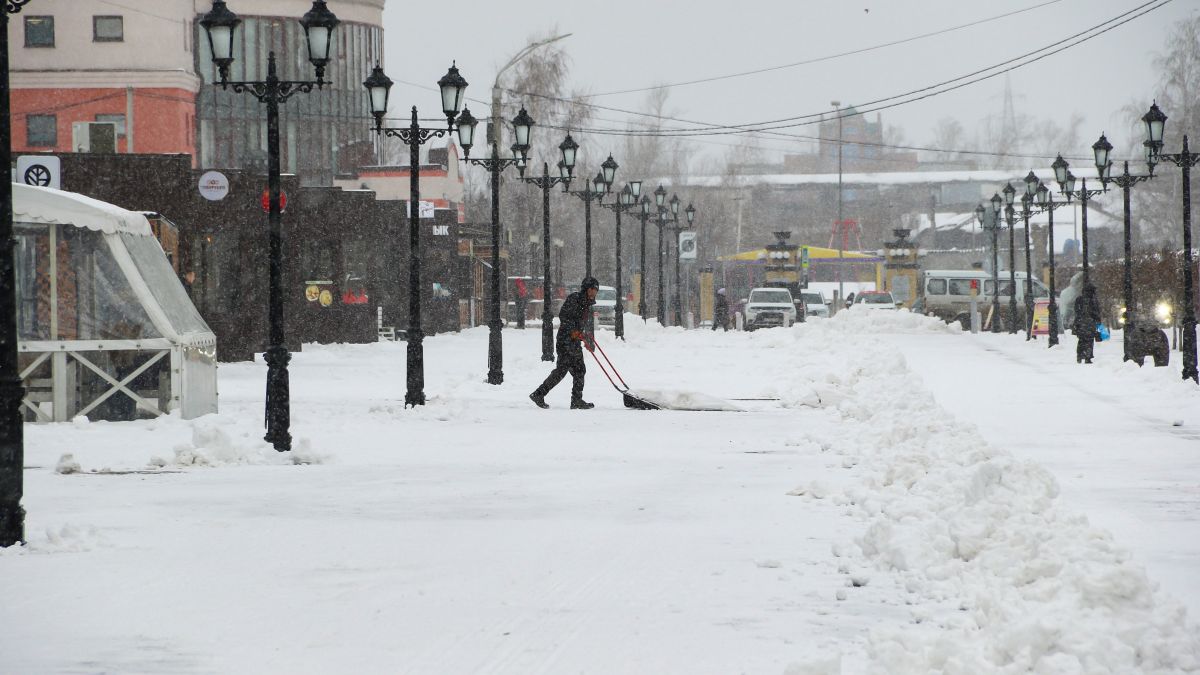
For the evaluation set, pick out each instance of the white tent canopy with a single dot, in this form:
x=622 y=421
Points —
x=100 y=307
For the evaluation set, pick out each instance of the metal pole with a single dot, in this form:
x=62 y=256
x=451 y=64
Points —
x=495 y=343
x=1188 y=345
x=1053 y=300
x=642 y=265
x=841 y=225
x=12 y=438
x=547 y=315
x=678 y=285
x=587 y=233
x=619 y=319
x=662 y=304
x=1128 y=281
x=276 y=356
x=1012 y=272
x=415 y=335
x=1028 y=272
x=1083 y=206
x=995 y=274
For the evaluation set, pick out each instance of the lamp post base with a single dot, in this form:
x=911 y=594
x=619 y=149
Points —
x=495 y=369
x=278 y=398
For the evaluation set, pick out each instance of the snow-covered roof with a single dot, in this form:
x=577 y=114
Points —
x=32 y=204
x=997 y=176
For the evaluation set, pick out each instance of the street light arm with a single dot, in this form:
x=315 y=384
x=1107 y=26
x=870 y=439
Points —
x=523 y=53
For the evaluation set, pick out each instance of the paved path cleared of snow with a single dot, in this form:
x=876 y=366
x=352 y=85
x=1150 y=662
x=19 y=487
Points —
x=1122 y=441
x=850 y=525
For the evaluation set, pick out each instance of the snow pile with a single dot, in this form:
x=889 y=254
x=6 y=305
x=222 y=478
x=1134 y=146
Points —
x=1003 y=579
x=67 y=464
x=684 y=400
x=65 y=539
x=887 y=321
x=213 y=445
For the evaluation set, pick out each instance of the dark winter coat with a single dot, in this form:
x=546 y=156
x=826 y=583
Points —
x=573 y=318
x=1087 y=315
x=722 y=308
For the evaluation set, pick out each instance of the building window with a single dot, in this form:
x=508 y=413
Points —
x=117 y=119
x=108 y=29
x=39 y=31
x=41 y=131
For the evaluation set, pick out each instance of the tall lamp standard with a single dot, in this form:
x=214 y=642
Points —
x=1155 y=121
x=990 y=220
x=1045 y=199
x=566 y=166
x=625 y=201
x=690 y=215
x=522 y=125
x=676 y=228
x=644 y=204
x=660 y=199
x=1027 y=211
x=12 y=432
x=452 y=87
x=220 y=24
x=1066 y=182
x=1101 y=149
x=599 y=186
x=1009 y=215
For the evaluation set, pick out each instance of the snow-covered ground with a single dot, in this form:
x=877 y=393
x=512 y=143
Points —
x=895 y=509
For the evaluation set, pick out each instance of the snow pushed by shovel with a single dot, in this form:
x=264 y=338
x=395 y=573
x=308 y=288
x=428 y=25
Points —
x=650 y=399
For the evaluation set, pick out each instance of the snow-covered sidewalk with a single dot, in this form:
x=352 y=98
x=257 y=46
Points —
x=851 y=525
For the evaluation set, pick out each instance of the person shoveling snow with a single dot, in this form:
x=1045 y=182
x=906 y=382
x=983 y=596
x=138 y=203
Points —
x=572 y=327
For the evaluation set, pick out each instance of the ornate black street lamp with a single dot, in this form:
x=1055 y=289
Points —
x=660 y=200
x=595 y=191
x=1101 y=149
x=452 y=86
x=1066 y=182
x=644 y=204
x=566 y=166
x=12 y=432
x=1031 y=182
x=221 y=24
x=989 y=217
x=522 y=126
x=676 y=229
x=1009 y=214
x=627 y=200
x=1045 y=199
x=1155 y=121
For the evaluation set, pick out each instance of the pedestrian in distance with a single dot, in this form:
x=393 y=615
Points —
x=522 y=299
x=569 y=344
x=1086 y=317
x=721 y=311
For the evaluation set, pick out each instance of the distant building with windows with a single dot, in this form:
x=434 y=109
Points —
x=145 y=68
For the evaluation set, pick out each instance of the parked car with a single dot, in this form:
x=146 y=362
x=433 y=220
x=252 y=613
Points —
x=874 y=300
x=814 y=303
x=606 y=306
x=770 y=307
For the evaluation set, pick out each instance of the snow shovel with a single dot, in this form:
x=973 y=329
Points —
x=631 y=401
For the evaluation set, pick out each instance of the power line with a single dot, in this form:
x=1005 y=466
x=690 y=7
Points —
x=829 y=57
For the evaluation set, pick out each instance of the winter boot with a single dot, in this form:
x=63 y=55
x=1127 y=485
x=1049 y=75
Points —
x=580 y=404
x=539 y=400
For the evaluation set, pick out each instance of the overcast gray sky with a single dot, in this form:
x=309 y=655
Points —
x=625 y=44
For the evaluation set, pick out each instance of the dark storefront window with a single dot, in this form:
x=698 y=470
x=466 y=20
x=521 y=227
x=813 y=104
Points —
x=39 y=31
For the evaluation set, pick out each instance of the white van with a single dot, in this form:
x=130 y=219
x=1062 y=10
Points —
x=946 y=294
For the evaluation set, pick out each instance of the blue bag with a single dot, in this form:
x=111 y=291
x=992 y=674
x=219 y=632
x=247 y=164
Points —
x=1102 y=333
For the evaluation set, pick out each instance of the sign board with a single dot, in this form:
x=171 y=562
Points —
x=441 y=230
x=40 y=170
x=266 y=201
x=974 y=288
x=1041 y=317
x=687 y=245
x=426 y=209
x=213 y=186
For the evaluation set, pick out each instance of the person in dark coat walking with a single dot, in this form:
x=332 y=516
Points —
x=721 y=311
x=1087 y=315
x=572 y=338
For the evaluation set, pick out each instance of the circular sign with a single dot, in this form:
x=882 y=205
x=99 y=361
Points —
x=266 y=201
x=37 y=175
x=214 y=186
x=312 y=293
x=326 y=298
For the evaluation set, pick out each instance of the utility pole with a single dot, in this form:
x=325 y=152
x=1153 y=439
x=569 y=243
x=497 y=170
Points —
x=841 y=224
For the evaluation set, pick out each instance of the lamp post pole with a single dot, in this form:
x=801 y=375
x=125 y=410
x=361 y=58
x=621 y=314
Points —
x=627 y=200
x=1125 y=181
x=675 y=230
x=12 y=435
x=995 y=227
x=1155 y=121
x=1009 y=216
x=662 y=295
x=453 y=87
x=600 y=185
x=318 y=23
x=644 y=205
x=522 y=125
x=544 y=183
x=1045 y=199
x=1066 y=184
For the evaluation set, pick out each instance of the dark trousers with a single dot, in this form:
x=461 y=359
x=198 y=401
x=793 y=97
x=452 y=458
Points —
x=721 y=320
x=1083 y=348
x=570 y=360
